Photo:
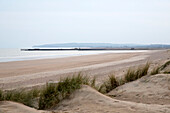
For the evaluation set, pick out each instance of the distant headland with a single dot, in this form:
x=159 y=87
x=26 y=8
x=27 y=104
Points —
x=95 y=46
x=101 y=45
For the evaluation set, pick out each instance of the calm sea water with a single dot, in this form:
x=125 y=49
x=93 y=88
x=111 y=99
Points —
x=8 y=55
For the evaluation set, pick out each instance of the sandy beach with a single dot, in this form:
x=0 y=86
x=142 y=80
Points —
x=17 y=68
x=150 y=94
x=89 y=56
x=37 y=72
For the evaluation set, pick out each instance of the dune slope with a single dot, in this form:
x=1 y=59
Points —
x=153 y=89
x=88 y=100
x=13 y=107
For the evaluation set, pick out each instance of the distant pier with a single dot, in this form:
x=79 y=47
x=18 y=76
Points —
x=84 y=49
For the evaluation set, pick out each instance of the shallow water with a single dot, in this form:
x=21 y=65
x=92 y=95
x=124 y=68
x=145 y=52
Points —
x=7 y=55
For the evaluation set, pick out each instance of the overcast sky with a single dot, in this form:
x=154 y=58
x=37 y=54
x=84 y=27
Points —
x=24 y=23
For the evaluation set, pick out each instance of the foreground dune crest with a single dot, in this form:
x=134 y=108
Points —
x=13 y=107
x=151 y=89
x=88 y=100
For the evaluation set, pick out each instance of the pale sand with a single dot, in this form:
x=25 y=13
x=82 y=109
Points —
x=88 y=100
x=145 y=95
x=13 y=107
x=17 y=68
x=150 y=89
x=37 y=72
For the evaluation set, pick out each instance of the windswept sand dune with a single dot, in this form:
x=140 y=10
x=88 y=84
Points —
x=13 y=107
x=153 y=89
x=88 y=100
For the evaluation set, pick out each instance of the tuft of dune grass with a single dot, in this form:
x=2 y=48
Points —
x=130 y=75
x=1 y=95
x=54 y=93
x=158 y=69
x=93 y=82
x=111 y=83
x=167 y=72
x=133 y=74
x=25 y=97
x=155 y=71
x=165 y=65
x=50 y=95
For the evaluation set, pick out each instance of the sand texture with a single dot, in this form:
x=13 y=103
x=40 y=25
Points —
x=88 y=100
x=13 y=107
x=151 y=89
x=149 y=94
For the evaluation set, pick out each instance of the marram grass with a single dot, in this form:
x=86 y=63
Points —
x=54 y=93
x=134 y=74
x=131 y=75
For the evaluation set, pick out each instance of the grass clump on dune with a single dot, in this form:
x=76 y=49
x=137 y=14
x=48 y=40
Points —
x=158 y=69
x=167 y=72
x=165 y=65
x=50 y=95
x=155 y=71
x=54 y=93
x=133 y=74
x=93 y=83
x=130 y=75
x=25 y=97
x=110 y=84
x=1 y=96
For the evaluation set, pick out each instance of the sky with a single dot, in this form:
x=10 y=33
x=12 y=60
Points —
x=24 y=23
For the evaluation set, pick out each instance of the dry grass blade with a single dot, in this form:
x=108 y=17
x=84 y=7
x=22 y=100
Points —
x=155 y=71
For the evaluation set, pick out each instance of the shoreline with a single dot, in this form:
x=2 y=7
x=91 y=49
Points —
x=41 y=55
x=22 y=74
x=58 y=62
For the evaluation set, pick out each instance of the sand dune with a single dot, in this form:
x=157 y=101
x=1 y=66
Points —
x=13 y=107
x=153 y=89
x=88 y=100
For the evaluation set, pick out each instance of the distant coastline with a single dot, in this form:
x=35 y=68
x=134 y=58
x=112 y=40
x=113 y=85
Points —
x=86 y=49
x=98 y=46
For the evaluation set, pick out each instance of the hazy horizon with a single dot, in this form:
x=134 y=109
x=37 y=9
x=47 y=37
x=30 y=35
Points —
x=38 y=22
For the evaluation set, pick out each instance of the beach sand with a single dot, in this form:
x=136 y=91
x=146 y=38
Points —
x=17 y=68
x=150 y=94
x=31 y=73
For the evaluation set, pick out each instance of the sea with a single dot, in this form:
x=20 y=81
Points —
x=15 y=54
